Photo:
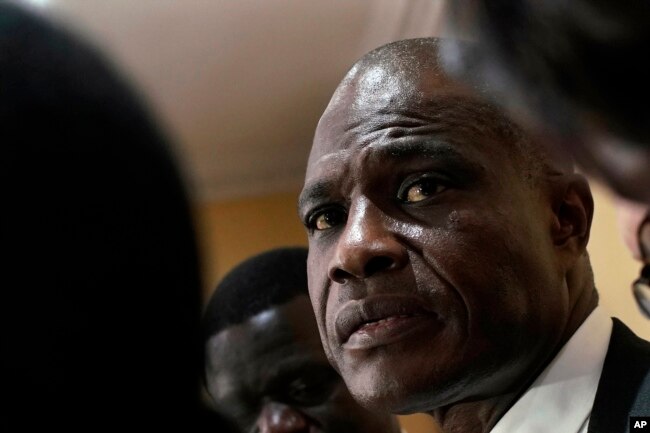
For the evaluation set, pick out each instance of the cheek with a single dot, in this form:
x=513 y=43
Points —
x=317 y=282
x=319 y=287
x=465 y=240
x=482 y=256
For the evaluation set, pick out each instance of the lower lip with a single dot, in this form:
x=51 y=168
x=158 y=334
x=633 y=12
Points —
x=389 y=331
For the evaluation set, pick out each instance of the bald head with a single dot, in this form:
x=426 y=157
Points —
x=397 y=67
x=393 y=76
x=406 y=78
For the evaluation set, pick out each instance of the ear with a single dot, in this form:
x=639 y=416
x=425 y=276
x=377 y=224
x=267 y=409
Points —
x=573 y=209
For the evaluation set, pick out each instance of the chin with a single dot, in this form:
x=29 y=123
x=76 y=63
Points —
x=388 y=393
x=379 y=399
x=398 y=400
x=405 y=389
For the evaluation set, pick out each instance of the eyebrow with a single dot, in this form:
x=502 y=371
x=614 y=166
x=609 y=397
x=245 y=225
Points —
x=416 y=147
x=315 y=192
x=412 y=147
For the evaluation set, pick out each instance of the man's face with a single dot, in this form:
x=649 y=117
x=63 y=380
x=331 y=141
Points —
x=431 y=266
x=269 y=374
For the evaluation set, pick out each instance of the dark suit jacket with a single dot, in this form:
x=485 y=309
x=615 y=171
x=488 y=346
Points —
x=624 y=387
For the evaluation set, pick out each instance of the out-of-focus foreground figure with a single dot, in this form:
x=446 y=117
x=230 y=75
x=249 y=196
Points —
x=573 y=68
x=100 y=284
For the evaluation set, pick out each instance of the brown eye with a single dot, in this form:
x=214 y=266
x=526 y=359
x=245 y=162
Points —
x=327 y=219
x=421 y=190
x=313 y=390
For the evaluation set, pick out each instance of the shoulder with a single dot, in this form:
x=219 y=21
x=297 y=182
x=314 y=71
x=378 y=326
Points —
x=627 y=349
x=624 y=387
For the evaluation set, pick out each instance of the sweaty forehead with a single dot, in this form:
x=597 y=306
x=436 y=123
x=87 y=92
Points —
x=380 y=101
x=272 y=336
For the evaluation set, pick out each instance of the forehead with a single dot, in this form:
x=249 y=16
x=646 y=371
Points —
x=368 y=100
x=371 y=117
x=379 y=104
x=279 y=338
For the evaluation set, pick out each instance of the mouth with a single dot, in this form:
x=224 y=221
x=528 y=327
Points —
x=381 y=320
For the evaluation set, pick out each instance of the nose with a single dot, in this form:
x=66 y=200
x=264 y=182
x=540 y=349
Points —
x=367 y=246
x=280 y=418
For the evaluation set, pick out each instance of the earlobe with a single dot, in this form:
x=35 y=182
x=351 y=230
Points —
x=573 y=212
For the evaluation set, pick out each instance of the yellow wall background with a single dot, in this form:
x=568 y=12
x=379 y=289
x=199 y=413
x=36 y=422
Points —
x=231 y=231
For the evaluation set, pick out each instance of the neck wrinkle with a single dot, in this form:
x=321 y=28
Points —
x=583 y=298
x=475 y=416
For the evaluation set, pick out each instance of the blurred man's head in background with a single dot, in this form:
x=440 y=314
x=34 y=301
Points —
x=265 y=365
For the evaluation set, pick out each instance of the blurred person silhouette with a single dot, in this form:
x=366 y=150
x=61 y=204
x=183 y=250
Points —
x=265 y=365
x=573 y=72
x=100 y=294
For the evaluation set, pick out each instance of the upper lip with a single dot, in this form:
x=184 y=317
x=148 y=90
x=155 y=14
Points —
x=356 y=313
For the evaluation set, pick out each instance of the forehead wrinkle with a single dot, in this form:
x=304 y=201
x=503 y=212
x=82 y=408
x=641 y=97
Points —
x=442 y=153
x=414 y=146
x=323 y=179
x=444 y=111
x=458 y=119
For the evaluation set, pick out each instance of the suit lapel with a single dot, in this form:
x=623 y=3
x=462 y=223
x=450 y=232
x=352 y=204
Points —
x=624 y=386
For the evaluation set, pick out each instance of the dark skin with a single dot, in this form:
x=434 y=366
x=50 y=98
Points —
x=443 y=281
x=270 y=375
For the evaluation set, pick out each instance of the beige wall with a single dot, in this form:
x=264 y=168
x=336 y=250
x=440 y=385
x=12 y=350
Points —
x=614 y=268
x=233 y=231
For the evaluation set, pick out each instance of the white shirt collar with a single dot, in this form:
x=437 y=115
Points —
x=561 y=398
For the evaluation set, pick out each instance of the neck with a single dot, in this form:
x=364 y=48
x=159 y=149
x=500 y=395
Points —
x=474 y=417
x=583 y=298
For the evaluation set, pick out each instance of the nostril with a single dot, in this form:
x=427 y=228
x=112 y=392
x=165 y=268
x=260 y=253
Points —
x=374 y=265
x=365 y=258
x=378 y=264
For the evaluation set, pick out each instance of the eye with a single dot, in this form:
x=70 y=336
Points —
x=310 y=392
x=326 y=219
x=421 y=189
